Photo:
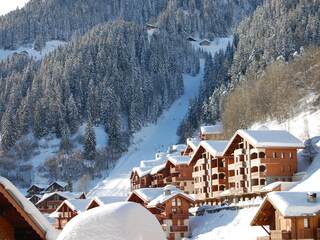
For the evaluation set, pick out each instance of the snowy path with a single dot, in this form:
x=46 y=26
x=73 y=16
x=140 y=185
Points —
x=149 y=140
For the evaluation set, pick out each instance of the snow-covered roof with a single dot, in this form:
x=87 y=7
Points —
x=30 y=209
x=117 y=221
x=65 y=195
x=216 y=148
x=178 y=148
x=268 y=138
x=173 y=192
x=294 y=204
x=212 y=129
x=38 y=185
x=108 y=200
x=178 y=159
x=284 y=186
x=193 y=143
x=60 y=183
x=77 y=205
x=147 y=194
x=156 y=169
x=271 y=138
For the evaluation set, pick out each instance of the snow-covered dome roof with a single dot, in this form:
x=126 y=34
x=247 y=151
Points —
x=117 y=221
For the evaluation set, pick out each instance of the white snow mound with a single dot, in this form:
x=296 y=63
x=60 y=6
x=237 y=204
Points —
x=117 y=221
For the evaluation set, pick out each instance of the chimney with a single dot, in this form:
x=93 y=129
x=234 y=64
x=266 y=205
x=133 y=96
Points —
x=167 y=192
x=312 y=197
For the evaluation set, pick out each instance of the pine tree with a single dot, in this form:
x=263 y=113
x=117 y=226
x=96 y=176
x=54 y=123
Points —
x=8 y=131
x=89 y=141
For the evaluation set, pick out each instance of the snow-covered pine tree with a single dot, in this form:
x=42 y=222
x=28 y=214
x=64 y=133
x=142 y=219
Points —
x=89 y=141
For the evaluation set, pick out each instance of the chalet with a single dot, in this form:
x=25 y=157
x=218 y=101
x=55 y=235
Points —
x=209 y=170
x=289 y=215
x=180 y=173
x=51 y=201
x=205 y=42
x=191 y=39
x=19 y=218
x=35 y=189
x=57 y=186
x=151 y=26
x=68 y=209
x=171 y=207
x=257 y=158
x=161 y=175
x=140 y=178
x=212 y=132
x=101 y=201
x=192 y=145
x=35 y=198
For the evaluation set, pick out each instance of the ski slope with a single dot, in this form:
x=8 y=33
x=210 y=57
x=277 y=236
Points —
x=154 y=137
x=149 y=140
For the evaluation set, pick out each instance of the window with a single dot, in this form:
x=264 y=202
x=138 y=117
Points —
x=174 y=210
x=306 y=223
x=282 y=155
x=179 y=202
x=173 y=202
x=290 y=155
x=274 y=155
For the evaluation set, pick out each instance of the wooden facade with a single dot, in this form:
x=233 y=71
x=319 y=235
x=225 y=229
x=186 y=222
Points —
x=172 y=211
x=50 y=203
x=251 y=166
x=286 y=227
x=15 y=222
x=35 y=189
x=210 y=172
x=57 y=187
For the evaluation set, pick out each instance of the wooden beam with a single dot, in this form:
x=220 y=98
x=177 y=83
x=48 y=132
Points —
x=265 y=230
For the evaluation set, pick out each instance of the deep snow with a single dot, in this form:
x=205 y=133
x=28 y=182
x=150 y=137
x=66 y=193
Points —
x=226 y=225
x=37 y=55
x=149 y=140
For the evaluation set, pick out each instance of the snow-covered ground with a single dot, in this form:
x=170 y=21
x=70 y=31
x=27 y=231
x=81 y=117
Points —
x=216 y=45
x=226 y=225
x=49 y=146
x=50 y=46
x=150 y=140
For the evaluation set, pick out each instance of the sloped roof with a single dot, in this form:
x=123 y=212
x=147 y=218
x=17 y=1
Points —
x=294 y=204
x=77 y=205
x=60 y=183
x=216 y=148
x=40 y=186
x=65 y=195
x=178 y=159
x=108 y=199
x=193 y=142
x=30 y=209
x=212 y=129
x=284 y=186
x=147 y=194
x=268 y=138
x=162 y=198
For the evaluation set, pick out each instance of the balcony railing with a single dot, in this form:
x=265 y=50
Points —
x=179 y=228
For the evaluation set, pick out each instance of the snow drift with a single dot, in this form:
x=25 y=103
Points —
x=117 y=221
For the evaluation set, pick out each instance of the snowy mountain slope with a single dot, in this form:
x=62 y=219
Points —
x=154 y=137
x=149 y=140
x=38 y=55
x=226 y=225
x=49 y=146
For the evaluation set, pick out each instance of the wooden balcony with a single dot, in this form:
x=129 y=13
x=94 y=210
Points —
x=175 y=228
x=239 y=151
x=280 y=235
x=199 y=173
x=218 y=170
x=258 y=174
x=173 y=170
x=218 y=181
